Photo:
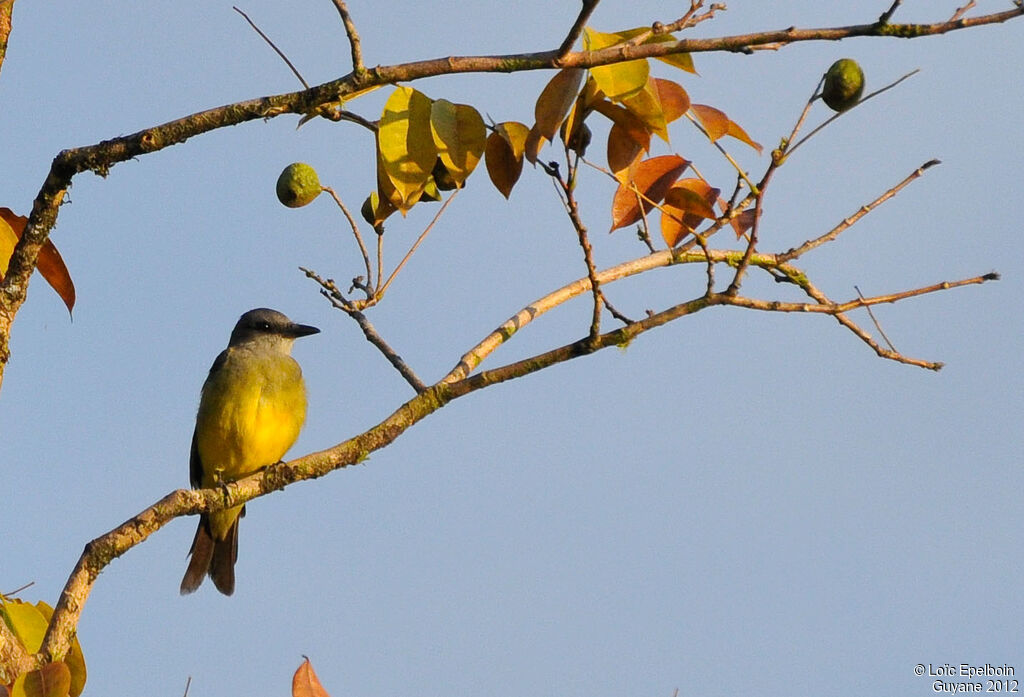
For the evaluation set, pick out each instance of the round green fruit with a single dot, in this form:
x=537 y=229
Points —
x=844 y=84
x=298 y=185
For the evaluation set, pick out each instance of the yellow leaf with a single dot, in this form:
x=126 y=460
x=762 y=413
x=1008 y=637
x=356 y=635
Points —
x=305 y=683
x=406 y=144
x=646 y=106
x=26 y=621
x=679 y=60
x=554 y=101
x=618 y=81
x=504 y=155
x=459 y=135
x=649 y=181
x=8 y=240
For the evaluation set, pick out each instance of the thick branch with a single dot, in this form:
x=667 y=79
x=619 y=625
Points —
x=100 y=157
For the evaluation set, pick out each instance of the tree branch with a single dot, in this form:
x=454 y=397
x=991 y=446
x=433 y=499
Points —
x=6 y=8
x=577 y=28
x=848 y=222
x=100 y=157
x=353 y=37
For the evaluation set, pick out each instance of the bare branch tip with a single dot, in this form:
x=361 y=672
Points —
x=991 y=276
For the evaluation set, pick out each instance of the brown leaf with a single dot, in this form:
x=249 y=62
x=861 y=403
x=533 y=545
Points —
x=648 y=183
x=49 y=262
x=674 y=100
x=52 y=680
x=743 y=222
x=715 y=122
x=688 y=203
x=305 y=683
x=533 y=143
x=623 y=151
x=554 y=101
x=503 y=155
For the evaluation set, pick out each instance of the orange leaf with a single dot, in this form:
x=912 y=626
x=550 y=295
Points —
x=648 y=183
x=554 y=101
x=674 y=100
x=49 y=262
x=687 y=204
x=736 y=132
x=305 y=683
x=504 y=155
x=715 y=122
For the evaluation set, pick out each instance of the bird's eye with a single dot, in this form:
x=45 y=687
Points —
x=263 y=326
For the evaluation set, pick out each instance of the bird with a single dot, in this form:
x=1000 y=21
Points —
x=251 y=409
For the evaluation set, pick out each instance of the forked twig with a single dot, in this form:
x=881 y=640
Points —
x=355 y=231
x=330 y=290
x=961 y=11
x=577 y=27
x=848 y=222
x=835 y=116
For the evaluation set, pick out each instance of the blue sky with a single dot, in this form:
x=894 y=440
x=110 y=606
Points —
x=738 y=503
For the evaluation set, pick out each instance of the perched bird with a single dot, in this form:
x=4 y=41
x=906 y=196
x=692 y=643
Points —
x=252 y=406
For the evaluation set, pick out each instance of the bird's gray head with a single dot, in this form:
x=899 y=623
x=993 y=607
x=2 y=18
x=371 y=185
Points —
x=270 y=326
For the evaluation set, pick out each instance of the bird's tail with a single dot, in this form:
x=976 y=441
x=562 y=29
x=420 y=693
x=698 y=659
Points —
x=214 y=557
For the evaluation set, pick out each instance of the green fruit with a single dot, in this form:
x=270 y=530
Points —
x=298 y=185
x=844 y=84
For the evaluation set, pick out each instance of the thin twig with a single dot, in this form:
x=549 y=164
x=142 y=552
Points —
x=353 y=36
x=887 y=15
x=835 y=116
x=382 y=289
x=577 y=27
x=848 y=222
x=572 y=210
x=359 y=237
x=330 y=290
x=271 y=43
x=874 y=319
x=961 y=11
